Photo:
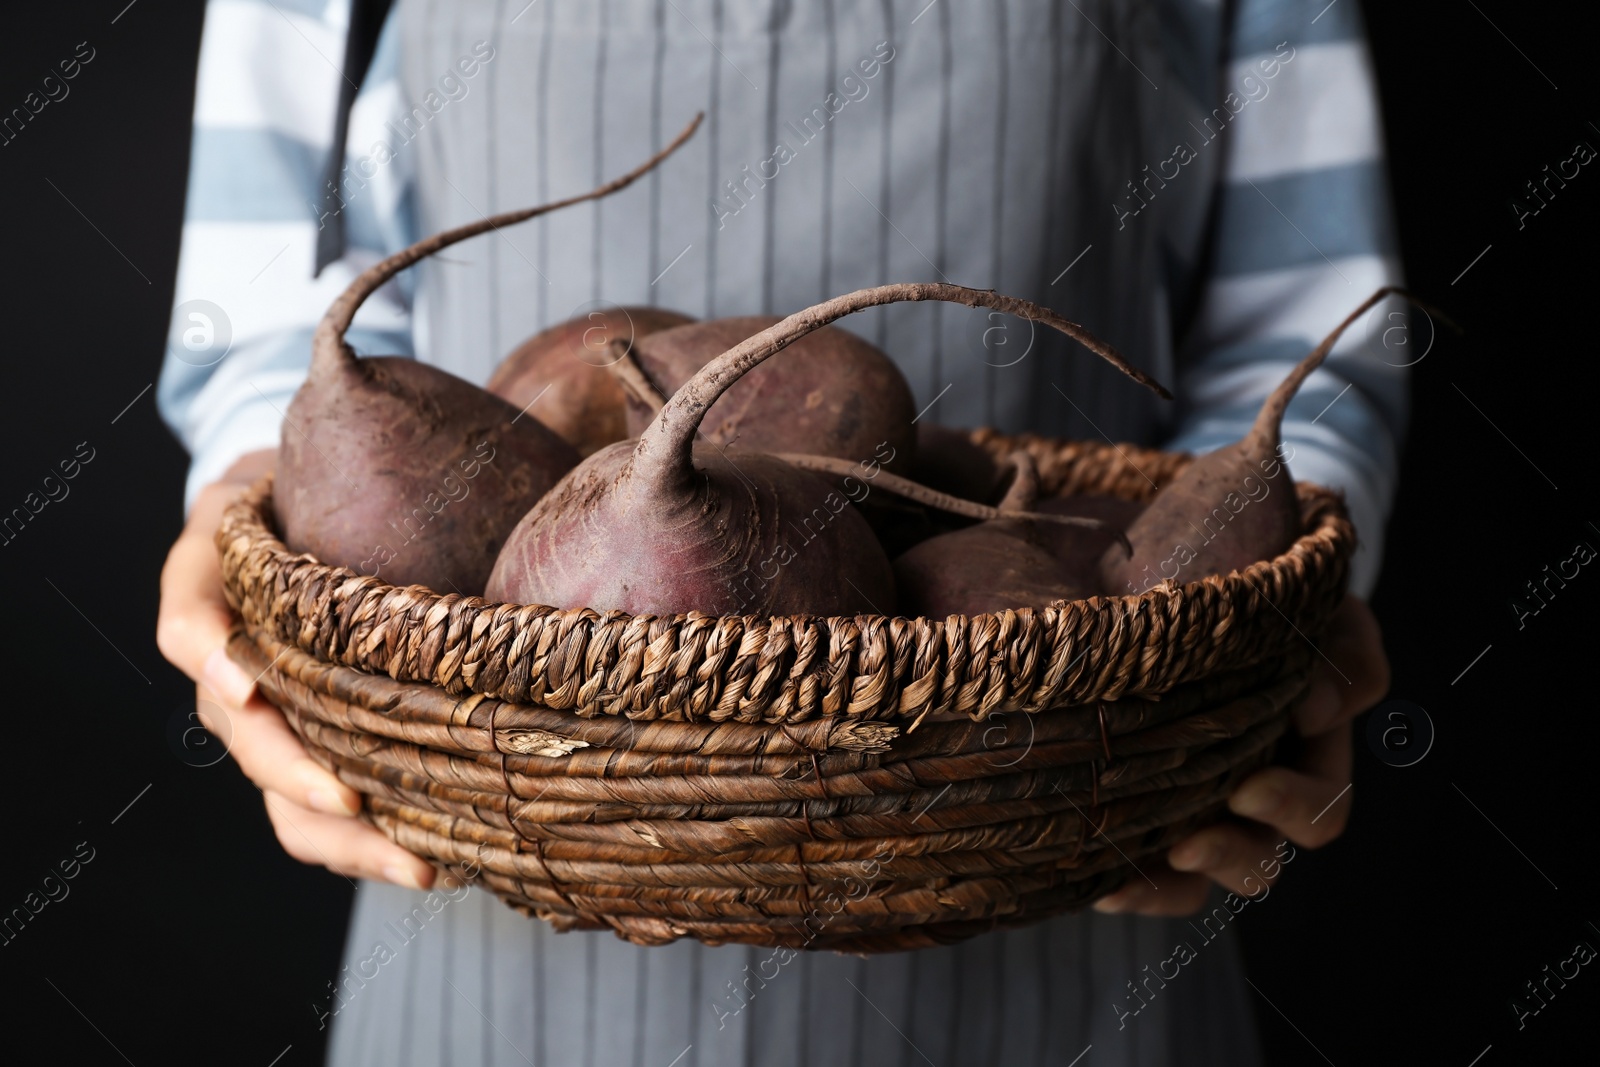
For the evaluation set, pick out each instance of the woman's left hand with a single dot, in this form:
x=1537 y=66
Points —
x=1307 y=805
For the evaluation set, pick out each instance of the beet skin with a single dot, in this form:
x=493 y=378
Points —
x=403 y=471
x=834 y=395
x=995 y=566
x=666 y=526
x=560 y=375
x=1229 y=508
x=399 y=470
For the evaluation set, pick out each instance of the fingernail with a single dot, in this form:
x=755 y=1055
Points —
x=1261 y=802
x=401 y=875
x=1111 y=905
x=224 y=678
x=1193 y=857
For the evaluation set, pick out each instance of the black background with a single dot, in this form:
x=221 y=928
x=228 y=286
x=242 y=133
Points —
x=190 y=938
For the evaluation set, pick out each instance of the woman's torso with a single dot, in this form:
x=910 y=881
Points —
x=987 y=148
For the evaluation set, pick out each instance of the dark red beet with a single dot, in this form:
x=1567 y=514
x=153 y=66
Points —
x=994 y=566
x=560 y=376
x=664 y=527
x=897 y=522
x=901 y=515
x=398 y=469
x=858 y=483
x=1079 y=548
x=751 y=536
x=868 y=485
x=950 y=461
x=836 y=396
x=1229 y=508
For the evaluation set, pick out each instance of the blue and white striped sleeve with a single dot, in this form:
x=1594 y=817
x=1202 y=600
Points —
x=246 y=299
x=1304 y=232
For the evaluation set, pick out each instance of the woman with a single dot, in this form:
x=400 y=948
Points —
x=1200 y=183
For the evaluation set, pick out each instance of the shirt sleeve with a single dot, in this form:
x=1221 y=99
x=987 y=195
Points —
x=246 y=300
x=1303 y=233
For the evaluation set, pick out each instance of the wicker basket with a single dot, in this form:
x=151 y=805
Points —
x=778 y=781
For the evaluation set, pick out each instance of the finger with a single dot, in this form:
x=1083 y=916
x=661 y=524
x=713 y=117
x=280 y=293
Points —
x=1352 y=674
x=343 y=845
x=1323 y=705
x=1157 y=889
x=194 y=619
x=226 y=679
x=259 y=739
x=1309 y=807
x=1242 y=859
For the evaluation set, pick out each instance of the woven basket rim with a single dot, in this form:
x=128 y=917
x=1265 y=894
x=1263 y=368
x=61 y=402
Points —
x=796 y=667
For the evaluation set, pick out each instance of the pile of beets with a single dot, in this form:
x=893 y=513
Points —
x=641 y=461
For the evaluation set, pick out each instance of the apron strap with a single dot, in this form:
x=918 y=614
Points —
x=366 y=22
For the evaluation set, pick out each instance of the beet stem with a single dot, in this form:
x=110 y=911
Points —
x=1023 y=492
x=1263 y=435
x=922 y=494
x=328 y=349
x=625 y=368
x=663 y=456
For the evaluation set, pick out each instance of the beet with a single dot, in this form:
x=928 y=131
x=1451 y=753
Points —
x=1229 y=508
x=395 y=468
x=1017 y=505
x=753 y=536
x=565 y=370
x=994 y=566
x=665 y=526
x=899 y=525
x=1079 y=548
x=896 y=522
x=950 y=461
x=902 y=516
x=838 y=396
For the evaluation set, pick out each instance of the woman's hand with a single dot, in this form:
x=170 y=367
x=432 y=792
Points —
x=1307 y=805
x=311 y=811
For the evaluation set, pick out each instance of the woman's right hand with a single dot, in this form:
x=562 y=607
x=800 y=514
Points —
x=312 y=812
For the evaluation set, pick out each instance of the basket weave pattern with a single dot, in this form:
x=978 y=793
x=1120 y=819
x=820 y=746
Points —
x=778 y=781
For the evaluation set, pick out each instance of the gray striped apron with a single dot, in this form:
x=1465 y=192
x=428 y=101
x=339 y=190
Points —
x=978 y=143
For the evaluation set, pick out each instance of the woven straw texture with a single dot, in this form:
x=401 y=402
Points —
x=783 y=781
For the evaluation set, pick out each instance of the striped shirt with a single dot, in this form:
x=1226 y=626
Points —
x=1198 y=181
